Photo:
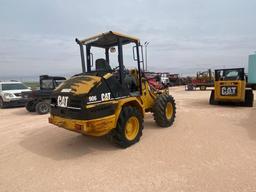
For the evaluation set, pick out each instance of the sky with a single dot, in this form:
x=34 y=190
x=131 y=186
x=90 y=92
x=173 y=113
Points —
x=38 y=37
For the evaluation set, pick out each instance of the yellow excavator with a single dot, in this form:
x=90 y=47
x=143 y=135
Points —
x=110 y=100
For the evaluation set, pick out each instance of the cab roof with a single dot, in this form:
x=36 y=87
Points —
x=44 y=77
x=107 y=39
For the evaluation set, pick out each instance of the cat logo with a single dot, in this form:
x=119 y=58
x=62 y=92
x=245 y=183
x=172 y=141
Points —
x=226 y=91
x=105 y=96
x=62 y=101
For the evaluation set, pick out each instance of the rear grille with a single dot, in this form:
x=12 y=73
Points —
x=83 y=113
x=75 y=103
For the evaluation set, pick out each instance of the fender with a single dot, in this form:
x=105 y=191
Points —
x=132 y=101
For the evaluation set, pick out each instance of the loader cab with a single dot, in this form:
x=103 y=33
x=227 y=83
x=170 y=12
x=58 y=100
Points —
x=236 y=74
x=103 y=56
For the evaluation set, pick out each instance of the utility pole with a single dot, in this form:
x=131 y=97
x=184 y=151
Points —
x=146 y=54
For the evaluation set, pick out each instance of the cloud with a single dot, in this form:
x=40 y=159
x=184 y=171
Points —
x=38 y=36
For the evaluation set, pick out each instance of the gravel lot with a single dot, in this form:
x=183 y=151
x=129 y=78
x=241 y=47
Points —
x=209 y=148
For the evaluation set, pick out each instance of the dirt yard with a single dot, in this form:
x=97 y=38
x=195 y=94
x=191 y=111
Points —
x=209 y=148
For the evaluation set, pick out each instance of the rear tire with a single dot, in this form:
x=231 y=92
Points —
x=190 y=87
x=164 y=110
x=30 y=106
x=249 y=98
x=202 y=88
x=42 y=108
x=121 y=135
x=212 y=99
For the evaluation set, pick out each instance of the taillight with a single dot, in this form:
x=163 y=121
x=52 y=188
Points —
x=50 y=120
x=78 y=127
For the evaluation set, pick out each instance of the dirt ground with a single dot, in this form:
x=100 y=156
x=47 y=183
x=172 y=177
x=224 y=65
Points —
x=209 y=148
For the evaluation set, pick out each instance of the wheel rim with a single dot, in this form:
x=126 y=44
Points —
x=131 y=128
x=169 y=110
x=44 y=108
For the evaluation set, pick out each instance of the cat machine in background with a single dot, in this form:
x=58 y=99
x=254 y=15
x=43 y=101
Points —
x=231 y=87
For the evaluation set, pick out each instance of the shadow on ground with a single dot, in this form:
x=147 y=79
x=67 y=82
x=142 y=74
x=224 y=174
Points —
x=203 y=104
x=60 y=144
x=13 y=107
x=149 y=122
x=23 y=112
x=199 y=90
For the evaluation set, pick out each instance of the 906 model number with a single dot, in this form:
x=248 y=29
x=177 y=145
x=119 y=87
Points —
x=102 y=97
x=92 y=98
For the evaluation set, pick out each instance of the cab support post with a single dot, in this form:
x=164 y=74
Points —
x=82 y=55
x=139 y=70
x=88 y=58
x=120 y=60
x=107 y=54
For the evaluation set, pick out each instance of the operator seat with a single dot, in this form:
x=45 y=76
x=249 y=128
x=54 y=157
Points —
x=102 y=65
x=130 y=82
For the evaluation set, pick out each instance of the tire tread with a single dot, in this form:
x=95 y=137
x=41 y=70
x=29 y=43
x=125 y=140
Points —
x=159 y=110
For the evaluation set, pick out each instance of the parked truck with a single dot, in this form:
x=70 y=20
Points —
x=39 y=100
x=202 y=81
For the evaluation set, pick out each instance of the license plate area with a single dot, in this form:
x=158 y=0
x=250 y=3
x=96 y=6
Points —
x=228 y=91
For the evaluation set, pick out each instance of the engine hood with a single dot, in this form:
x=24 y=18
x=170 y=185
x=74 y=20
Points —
x=78 y=85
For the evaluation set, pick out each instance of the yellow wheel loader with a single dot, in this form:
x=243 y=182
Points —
x=230 y=87
x=106 y=98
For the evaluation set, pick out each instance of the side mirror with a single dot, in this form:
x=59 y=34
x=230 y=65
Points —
x=91 y=58
x=135 y=57
x=134 y=51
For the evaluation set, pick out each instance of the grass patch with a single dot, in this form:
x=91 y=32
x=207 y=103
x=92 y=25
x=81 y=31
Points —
x=33 y=85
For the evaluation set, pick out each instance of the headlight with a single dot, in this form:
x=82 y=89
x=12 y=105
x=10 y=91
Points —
x=8 y=95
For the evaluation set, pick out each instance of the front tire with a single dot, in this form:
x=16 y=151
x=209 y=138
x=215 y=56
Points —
x=30 y=106
x=164 y=110
x=249 y=98
x=42 y=108
x=129 y=127
x=2 y=104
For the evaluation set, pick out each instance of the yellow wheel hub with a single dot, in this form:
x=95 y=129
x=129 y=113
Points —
x=169 y=110
x=132 y=128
